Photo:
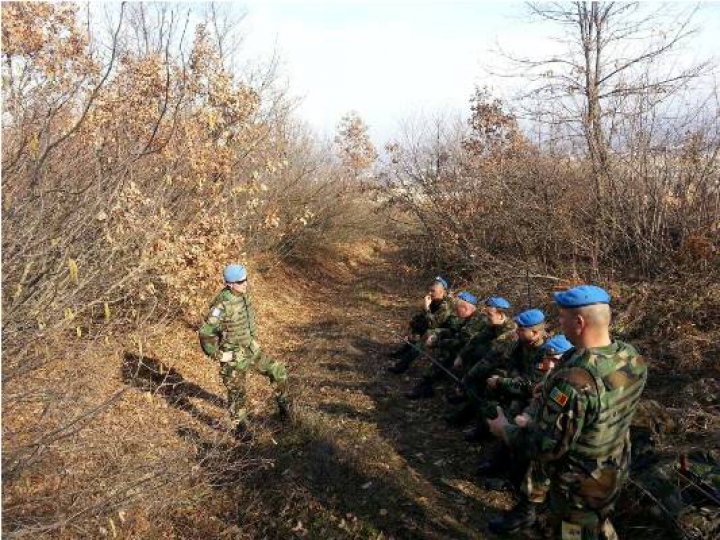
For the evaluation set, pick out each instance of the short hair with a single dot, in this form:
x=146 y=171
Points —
x=595 y=314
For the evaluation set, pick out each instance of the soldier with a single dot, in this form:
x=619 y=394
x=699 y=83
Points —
x=229 y=336
x=515 y=388
x=581 y=434
x=436 y=310
x=552 y=350
x=516 y=361
x=503 y=463
x=446 y=341
x=500 y=328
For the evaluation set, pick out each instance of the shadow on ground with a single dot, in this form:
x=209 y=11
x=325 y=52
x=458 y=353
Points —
x=153 y=376
x=304 y=484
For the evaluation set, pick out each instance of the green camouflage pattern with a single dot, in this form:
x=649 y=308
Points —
x=234 y=375
x=464 y=332
x=231 y=327
x=581 y=432
x=523 y=372
x=231 y=323
x=481 y=344
x=505 y=359
x=439 y=312
x=451 y=337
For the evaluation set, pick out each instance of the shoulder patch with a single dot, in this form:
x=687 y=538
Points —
x=559 y=397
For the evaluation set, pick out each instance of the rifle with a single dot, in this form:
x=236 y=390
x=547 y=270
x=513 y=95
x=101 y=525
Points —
x=488 y=409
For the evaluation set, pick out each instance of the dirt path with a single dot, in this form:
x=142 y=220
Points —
x=367 y=455
x=361 y=461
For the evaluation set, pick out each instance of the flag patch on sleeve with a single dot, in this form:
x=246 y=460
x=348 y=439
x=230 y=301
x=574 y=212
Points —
x=559 y=397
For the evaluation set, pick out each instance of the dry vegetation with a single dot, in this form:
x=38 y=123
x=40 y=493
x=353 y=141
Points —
x=137 y=161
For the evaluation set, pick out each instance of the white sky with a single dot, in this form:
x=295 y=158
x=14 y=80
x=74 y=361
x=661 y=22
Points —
x=389 y=59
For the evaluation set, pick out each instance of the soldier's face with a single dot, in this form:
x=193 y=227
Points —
x=494 y=315
x=437 y=291
x=570 y=324
x=529 y=335
x=238 y=288
x=464 y=309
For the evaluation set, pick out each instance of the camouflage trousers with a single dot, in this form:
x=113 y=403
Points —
x=568 y=523
x=567 y=520
x=234 y=375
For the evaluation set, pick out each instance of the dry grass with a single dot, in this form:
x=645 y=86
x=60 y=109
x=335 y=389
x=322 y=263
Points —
x=359 y=461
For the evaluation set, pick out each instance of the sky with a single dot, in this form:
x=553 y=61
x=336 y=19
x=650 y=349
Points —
x=392 y=59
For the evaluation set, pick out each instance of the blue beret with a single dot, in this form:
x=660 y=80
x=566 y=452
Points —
x=558 y=344
x=468 y=297
x=582 y=295
x=234 y=273
x=531 y=317
x=441 y=281
x=497 y=302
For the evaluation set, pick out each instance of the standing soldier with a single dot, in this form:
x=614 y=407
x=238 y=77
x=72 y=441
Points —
x=437 y=308
x=581 y=433
x=229 y=336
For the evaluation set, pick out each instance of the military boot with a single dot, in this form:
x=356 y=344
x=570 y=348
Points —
x=401 y=366
x=522 y=516
x=423 y=390
x=478 y=434
x=462 y=416
x=285 y=407
x=242 y=433
x=401 y=351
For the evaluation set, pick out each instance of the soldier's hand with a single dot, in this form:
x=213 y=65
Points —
x=537 y=390
x=522 y=420
x=458 y=364
x=497 y=425
x=431 y=339
x=493 y=381
x=428 y=302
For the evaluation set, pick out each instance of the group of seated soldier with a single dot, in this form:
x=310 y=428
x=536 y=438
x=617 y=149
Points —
x=492 y=359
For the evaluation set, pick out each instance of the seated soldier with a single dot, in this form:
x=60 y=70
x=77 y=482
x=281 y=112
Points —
x=481 y=382
x=438 y=306
x=499 y=328
x=502 y=462
x=498 y=324
x=553 y=349
x=445 y=342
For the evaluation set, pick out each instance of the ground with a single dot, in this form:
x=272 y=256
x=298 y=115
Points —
x=358 y=460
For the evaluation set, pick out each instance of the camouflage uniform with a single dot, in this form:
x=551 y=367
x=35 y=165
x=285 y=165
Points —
x=438 y=315
x=510 y=358
x=482 y=343
x=451 y=338
x=579 y=441
x=432 y=318
x=229 y=336
x=525 y=371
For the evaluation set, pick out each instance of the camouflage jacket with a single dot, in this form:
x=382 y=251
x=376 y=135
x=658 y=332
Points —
x=522 y=370
x=463 y=331
x=231 y=323
x=435 y=317
x=481 y=343
x=581 y=428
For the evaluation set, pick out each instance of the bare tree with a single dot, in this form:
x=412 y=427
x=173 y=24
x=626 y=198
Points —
x=609 y=55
